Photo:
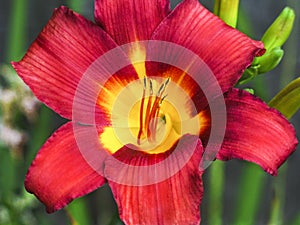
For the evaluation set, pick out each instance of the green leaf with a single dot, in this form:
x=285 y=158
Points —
x=287 y=101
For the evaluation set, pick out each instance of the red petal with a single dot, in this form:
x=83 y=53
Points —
x=256 y=133
x=59 y=173
x=57 y=60
x=130 y=21
x=143 y=198
x=225 y=50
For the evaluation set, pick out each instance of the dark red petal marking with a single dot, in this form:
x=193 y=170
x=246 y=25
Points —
x=129 y=21
x=59 y=173
x=256 y=133
x=182 y=79
x=225 y=50
x=57 y=60
x=175 y=200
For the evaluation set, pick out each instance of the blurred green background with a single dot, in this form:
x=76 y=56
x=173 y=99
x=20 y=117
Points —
x=248 y=195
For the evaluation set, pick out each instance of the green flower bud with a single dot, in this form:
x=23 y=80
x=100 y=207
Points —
x=287 y=101
x=275 y=36
x=227 y=10
x=279 y=31
x=269 y=60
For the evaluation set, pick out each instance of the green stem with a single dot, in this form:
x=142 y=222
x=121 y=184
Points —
x=215 y=192
x=279 y=184
x=17 y=32
x=249 y=195
x=78 y=212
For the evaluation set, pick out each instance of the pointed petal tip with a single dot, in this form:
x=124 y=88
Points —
x=59 y=173
x=227 y=51
x=136 y=20
x=63 y=8
x=13 y=63
x=59 y=57
x=274 y=139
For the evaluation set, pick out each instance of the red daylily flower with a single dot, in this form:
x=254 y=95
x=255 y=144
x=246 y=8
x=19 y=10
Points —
x=136 y=117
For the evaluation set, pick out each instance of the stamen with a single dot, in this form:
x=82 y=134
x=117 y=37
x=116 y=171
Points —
x=161 y=89
x=145 y=83
x=148 y=112
x=167 y=81
x=151 y=87
x=163 y=98
x=142 y=112
x=155 y=109
x=163 y=86
x=152 y=110
x=141 y=119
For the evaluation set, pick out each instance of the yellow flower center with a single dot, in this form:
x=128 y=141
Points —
x=149 y=114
